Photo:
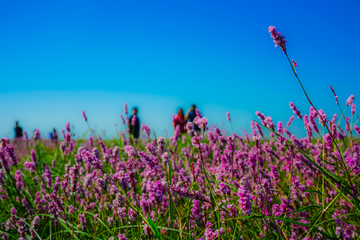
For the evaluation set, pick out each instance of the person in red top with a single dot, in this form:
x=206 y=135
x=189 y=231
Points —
x=180 y=120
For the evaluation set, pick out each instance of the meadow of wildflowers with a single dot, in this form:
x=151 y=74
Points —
x=268 y=184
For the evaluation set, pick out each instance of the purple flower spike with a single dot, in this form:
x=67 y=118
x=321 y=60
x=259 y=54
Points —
x=198 y=113
x=328 y=141
x=13 y=211
x=280 y=128
x=130 y=151
x=122 y=119
x=336 y=97
x=357 y=129
x=347 y=127
x=295 y=110
x=196 y=141
x=228 y=116
x=322 y=117
x=91 y=159
x=294 y=63
x=196 y=210
x=36 y=134
x=122 y=236
x=146 y=129
x=245 y=203
x=147 y=159
x=202 y=123
x=133 y=120
x=290 y=121
x=258 y=128
x=161 y=144
x=85 y=118
x=353 y=109
x=125 y=108
x=350 y=100
x=261 y=117
x=225 y=189
x=269 y=123
x=67 y=127
x=30 y=166
x=278 y=39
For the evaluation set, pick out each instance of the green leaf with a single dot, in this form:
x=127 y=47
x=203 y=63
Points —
x=154 y=227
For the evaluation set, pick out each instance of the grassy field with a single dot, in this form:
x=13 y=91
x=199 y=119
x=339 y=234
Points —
x=268 y=184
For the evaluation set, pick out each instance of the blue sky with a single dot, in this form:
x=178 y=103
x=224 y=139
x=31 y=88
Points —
x=61 y=57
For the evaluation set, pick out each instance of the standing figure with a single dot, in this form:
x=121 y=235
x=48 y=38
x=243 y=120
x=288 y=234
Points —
x=134 y=124
x=54 y=136
x=18 y=130
x=179 y=120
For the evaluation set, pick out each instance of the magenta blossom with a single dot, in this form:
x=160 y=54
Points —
x=125 y=108
x=269 y=123
x=196 y=141
x=122 y=119
x=67 y=127
x=228 y=116
x=357 y=129
x=350 y=100
x=353 y=108
x=202 y=122
x=278 y=39
x=30 y=166
x=85 y=118
x=36 y=134
x=130 y=151
x=294 y=63
x=91 y=159
x=290 y=121
x=133 y=120
x=295 y=110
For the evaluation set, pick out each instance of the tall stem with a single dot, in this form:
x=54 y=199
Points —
x=323 y=121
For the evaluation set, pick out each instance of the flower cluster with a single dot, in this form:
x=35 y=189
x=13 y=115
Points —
x=212 y=184
x=279 y=40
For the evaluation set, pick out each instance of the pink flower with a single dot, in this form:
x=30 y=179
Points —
x=350 y=100
x=202 y=122
x=357 y=129
x=278 y=39
x=133 y=120
x=256 y=139
x=294 y=63
x=125 y=108
x=85 y=118
x=122 y=119
x=196 y=141
x=130 y=151
x=295 y=110
x=30 y=166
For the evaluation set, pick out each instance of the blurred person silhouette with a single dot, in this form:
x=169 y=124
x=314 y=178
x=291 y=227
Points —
x=134 y=124
x=18 y=131
x=191 y=115
x=54 y=136
x=179 y=120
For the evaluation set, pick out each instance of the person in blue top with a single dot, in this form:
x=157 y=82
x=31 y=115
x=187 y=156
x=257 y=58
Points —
x=190 y=116
x=53 y=135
